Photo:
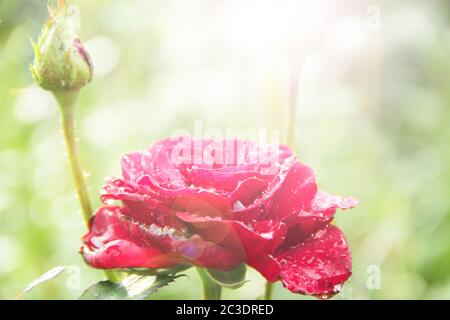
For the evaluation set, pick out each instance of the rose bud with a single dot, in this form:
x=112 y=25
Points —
x=61 y=62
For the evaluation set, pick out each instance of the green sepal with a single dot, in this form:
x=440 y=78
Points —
x=233 y=279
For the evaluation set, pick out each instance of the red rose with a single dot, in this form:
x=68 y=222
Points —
x=217 y=204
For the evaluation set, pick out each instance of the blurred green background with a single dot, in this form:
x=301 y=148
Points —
x=373 y=121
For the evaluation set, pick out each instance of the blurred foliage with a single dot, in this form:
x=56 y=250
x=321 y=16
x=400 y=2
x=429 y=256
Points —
x=373 y=122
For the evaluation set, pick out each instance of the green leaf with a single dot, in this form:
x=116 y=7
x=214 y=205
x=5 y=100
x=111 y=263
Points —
x=49 y=275
x=133 y=287
x=233 y=279
x=105 y=290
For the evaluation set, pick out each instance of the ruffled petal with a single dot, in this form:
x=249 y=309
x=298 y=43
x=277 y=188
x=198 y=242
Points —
x=268 y=266
x=318 y=266
x=150 y=206
x=260 y=208
x=263 y=236
x=139 y=200
x=295 y=194
x=191 y=249
x=256 y=243
x=158 y=163
x=109 y=245
x=115 y=241
x=209 y=255
x=221 y=179
x=122 y=254
x=239 y=183
x=320 y=213
x=326 y=203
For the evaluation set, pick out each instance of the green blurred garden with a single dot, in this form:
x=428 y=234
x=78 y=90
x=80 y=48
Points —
x=373 y=121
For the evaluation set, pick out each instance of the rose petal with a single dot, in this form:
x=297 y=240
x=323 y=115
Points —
x=109 y=245
x=157 y=163
x=122 y=254
x=296 y=192
x=150 y=206
x=318 y=266
x=115 y=241
x=194 y=249
x=201 y=202
x=175 y=171
x=261 y=206
x=209 y=255
x=320 y=214
x=141 y=202
x=247 y=191
x=324 y=202
x=255 y=243
x=221 y=179
x=268 y=266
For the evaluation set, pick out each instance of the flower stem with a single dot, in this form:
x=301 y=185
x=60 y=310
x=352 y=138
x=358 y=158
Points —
x=269 y=290
x=211 y=290
x=66 y=101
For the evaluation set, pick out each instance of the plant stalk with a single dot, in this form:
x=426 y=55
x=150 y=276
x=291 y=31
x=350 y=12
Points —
x=66 y=101
x=269 y=290
x=211 y=290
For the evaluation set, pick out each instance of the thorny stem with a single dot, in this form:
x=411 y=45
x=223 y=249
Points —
x=66 y=101
x=211 y=290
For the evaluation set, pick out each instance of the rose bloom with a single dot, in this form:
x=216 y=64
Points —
x=218 y=204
